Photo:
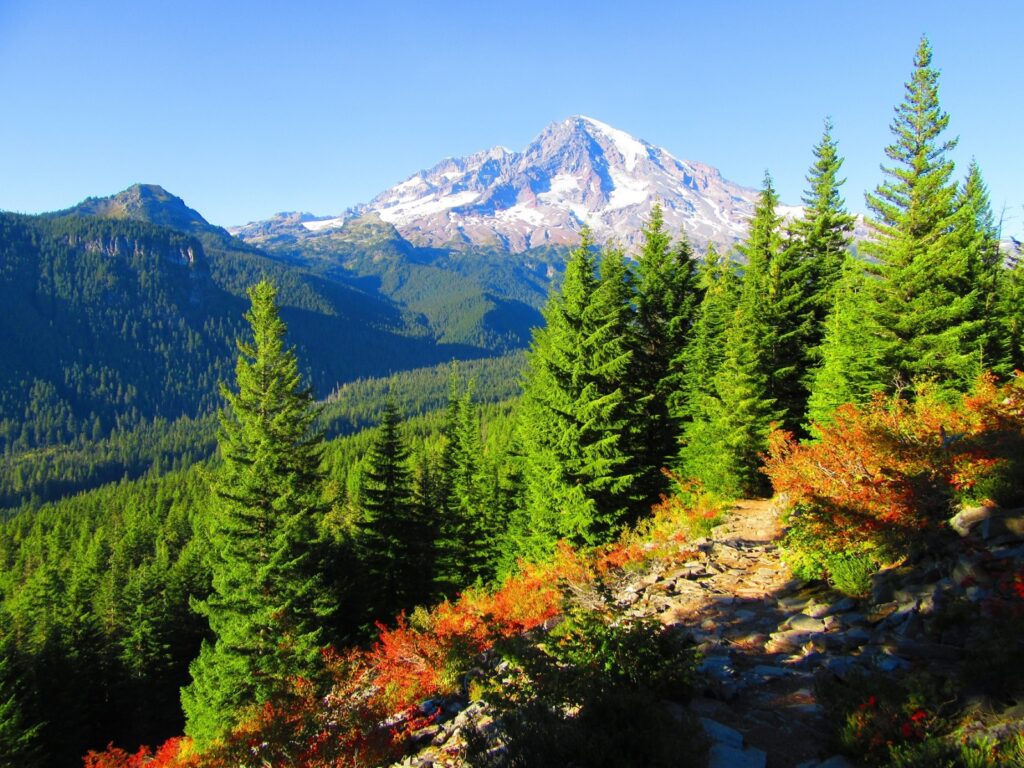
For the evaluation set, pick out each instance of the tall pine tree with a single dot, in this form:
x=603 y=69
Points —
x=268 y=600
x=824 y=232
x=397 y=545
x=574 y=417
x=926 y=300
x=666 y=301
x=851 y=354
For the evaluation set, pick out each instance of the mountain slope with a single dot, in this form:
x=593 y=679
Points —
x=126 y=308
x=576 y=172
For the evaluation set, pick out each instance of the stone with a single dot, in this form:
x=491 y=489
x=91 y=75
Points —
x=805 y=623
x=770 y=671
x=817 y=610
x=717 y=667
x=881 y=612
x=888 y=664
x=842 y=606
x=721 y=734
x=786 y=641
x=842 y=666
x=723 y=756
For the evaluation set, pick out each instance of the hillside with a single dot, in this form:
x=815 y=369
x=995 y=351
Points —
x=127 y=308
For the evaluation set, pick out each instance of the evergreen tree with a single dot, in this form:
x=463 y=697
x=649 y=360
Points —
x=718 y=286
x=1011 y=312
x=666 y=301
x=268 y=601
x=396 y=539
x=754 y=370
x=851 y=352
x=19 y=747
x=696 y=404
x=464 y=545
x=926 y=300
x=573 y=420
x=977 y=236
x=825 y=231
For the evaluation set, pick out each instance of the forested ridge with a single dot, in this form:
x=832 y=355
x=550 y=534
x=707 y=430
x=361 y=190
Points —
x=239 y=599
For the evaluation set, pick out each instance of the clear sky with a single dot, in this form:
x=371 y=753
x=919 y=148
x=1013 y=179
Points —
x=249 y=108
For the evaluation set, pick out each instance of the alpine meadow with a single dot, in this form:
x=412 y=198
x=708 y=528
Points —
x=580 y=455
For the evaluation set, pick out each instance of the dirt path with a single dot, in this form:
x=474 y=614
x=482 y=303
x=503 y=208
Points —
x=738 y=600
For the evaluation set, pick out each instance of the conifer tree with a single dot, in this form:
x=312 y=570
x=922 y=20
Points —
x=977 y=236
x=825 y=231
x=926 y=300
x=464 y=544
x=19 y=745
x=573 y=418
x=397 y=545
x=753 y=368
x=666 y=301
x=268 y=600
x=718 y=286
x=1011 y=312
x=851 y=353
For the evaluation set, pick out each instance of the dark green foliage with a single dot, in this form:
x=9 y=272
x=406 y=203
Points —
x=468 y=522
x=927 y=296
x=824 y=232
x=851 y=353
x=575 y=411
x=268 y=599
x=731 y=429
x=97 y=588
x=397 y=536
x=160 y=446
x=666 y=300
x=1011 y=312
x=977 y=237
x=18 y=737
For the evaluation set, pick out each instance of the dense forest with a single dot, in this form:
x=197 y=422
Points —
x=198 y=594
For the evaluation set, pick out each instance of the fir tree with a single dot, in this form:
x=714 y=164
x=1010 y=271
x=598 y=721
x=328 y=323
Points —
x=977 y=237
x=396 y=541
x=851 y=352
x=573 y=421
x=464 y=544
x=718 y=286
x=926 y=298
x=825 y=230
x=666 y=300
x=754 y=368
x=19 y=745
x=1011 y=312
x=268 y=601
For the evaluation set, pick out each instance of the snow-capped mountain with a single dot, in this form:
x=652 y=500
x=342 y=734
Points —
x=576 y=172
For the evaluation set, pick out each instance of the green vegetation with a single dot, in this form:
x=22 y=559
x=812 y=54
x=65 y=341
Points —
x=231 y=576
x=268 y=598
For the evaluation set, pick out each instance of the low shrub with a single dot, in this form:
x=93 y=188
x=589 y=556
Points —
x=881 y=478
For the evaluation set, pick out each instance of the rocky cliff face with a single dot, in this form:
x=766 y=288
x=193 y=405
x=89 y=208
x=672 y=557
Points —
x=577 y=172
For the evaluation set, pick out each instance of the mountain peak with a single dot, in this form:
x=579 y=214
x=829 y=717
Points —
x=577 y=172
x=143 y=202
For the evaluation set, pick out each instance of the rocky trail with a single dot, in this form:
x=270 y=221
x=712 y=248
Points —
x=766 y=638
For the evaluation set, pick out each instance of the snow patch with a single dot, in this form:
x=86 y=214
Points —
x=424 y=206
x=317 y=226
x=628 y=191
x=630 y=148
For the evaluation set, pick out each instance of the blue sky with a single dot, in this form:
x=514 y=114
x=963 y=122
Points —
x=248 y=108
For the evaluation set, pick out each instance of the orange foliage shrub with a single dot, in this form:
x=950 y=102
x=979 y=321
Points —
x=881 y=473
x=417 y=658
x=170 y=755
